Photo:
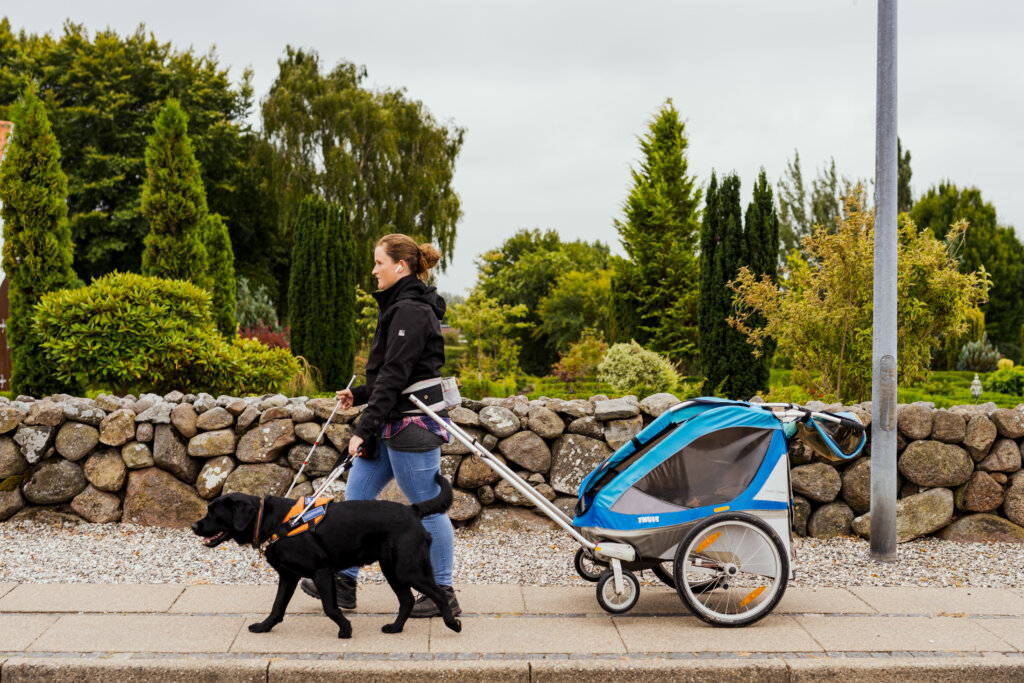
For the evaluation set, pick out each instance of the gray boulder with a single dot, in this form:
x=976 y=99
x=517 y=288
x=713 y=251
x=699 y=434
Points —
x=1004 y=457
x=76 y=440
x=159 y=413
x=485 y=494
x=136 y=456
x=982 y=528
x=980 y=494
x=500 y=519
x=156 y=498
x=259 y=480
x=275 y=401
x=298 y=412
x=914 y=421
x=212 y=444
x=34 y=441
x=1009 y=423
x=106 y=470
x=11 y=460
x=174 y=396
x=266 y=442
x=527 y=450
x=171 y=453
x=917 y=515
x=474 y=473
x=214 y=419
x=948 y=427
x=587 y=426
x=801 y=514
x=247 y=420
x=275 y=413
x=573 y=456
x=54 y=481
x=499 y=421
x=856 y=489
x=308 y=431
x=212 y=476
x=464 y=417
x=545 y=423
x=656 y=404
x=830 y=521
x=615 y=409
x=450 y=467
x=45 y=413
x=10 y=503
x=456 y=447
x=144 y=432
x=10 y=418
x=932 y=463
x=81 y=410
x=339 y=435
x=465 y=507
x=506 y=492
x=618 y=432
x=204 y=402
x=817 y=481
x=981 y=434
x=323 y=407
x=117 y=428
x=1013 y=502
x=321 y=462
x=98 y=507
x=184 y=418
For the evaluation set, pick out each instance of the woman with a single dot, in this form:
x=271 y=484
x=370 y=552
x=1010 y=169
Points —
x=388 y=442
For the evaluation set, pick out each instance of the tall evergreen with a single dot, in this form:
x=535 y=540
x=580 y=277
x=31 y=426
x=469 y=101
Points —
x=221 y=258
x=38 y=252
x=655 y=286
x=174 y=202
x=762 y=238
x=321 y=291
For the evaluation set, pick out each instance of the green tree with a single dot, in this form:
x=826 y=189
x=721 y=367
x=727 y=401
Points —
x=985 y=244
x=654 y=289
x=37 y=252
x=174 y=203
x=379 y=155
x=102 y=93
x=904 y=198
x=762 y=237
x=221 y=258
x=489 y=328
x=579 y=300
x=822 y=319
x=725 y=358
x=322 y=291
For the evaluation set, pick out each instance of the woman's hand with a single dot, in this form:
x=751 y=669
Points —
x=344 y=396
x=355 y=446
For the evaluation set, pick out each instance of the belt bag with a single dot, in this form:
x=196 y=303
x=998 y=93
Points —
x=437 y=393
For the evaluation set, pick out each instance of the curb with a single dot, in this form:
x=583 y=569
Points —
x=994 y=669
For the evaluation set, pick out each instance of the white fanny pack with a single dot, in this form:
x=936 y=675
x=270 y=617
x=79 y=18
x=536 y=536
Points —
x=436 y=393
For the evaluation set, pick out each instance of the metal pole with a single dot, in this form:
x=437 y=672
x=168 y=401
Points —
x=883 y=385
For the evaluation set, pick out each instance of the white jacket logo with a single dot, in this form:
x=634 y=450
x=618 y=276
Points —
x=649 y=519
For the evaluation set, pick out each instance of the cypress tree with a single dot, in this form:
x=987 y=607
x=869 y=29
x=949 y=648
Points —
x=174 y=202
x=38 y=251
x=222 y=274
x=321 y=291
x=655 y=288
x=762 y=238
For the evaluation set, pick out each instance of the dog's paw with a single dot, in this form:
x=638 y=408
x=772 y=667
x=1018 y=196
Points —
x=260 y=627
x=345 y=631
x=391 y=628
x=455 y=625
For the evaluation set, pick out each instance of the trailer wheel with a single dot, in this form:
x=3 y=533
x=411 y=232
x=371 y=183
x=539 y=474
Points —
x=664 y=572
x=618 y=603
x=587 y=567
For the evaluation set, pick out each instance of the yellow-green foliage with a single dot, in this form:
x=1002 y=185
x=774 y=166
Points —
x=630 y=367
x=1004 y=364
x=821 y=316
x=147 y=333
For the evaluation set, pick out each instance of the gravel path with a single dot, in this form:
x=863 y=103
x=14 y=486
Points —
x=125 y=553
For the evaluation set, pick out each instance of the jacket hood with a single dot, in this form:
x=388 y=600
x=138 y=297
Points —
x=411 y=287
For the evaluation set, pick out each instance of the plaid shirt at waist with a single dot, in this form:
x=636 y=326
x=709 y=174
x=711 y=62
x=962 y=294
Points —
x=395 y=426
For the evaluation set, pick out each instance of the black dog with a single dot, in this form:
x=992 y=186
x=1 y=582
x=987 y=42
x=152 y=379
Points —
x=351 y=533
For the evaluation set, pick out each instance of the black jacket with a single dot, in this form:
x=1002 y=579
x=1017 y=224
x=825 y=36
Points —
x=407 y=347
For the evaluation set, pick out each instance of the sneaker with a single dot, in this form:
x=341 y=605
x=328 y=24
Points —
x=425 y=607
x=344 y=590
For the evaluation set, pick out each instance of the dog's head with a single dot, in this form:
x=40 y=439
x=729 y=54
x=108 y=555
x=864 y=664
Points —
x=230 y=516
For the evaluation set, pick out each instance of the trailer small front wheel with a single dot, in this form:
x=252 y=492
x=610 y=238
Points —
x=587 y=567
x=746 y=561
x=618 y=603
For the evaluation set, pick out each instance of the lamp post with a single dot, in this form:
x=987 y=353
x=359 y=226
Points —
x=976 y=388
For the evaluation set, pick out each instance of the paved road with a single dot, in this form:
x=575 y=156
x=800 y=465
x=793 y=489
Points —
x=56 y=632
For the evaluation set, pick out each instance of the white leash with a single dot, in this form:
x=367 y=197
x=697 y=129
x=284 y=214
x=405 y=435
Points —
x=317 y=442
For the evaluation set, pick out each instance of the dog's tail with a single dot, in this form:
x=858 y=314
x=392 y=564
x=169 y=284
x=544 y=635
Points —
x=439 y=503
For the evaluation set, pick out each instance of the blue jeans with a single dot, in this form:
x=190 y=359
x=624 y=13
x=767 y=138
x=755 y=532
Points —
x=415 y=475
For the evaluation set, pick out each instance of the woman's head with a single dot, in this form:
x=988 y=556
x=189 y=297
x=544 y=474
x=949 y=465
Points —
x=397 y=255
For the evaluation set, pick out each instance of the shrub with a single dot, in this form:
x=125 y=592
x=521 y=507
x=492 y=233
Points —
x=630 y=367
x=580 y=361
x=254 y=307
x=275 y=339
x=978 y=356
x=1004 y=363
x=129 y=331
x=1006 y=380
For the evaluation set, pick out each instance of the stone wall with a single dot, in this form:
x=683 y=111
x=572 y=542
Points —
x=157 y=460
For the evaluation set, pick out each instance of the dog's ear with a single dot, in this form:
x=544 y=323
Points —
x=244 y=515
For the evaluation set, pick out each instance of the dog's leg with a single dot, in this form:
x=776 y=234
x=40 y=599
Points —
x=404 y=594
x=286 y=584
x=324 y=580
x=427 y=586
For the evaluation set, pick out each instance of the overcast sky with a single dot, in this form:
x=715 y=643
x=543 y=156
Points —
x=553 y=95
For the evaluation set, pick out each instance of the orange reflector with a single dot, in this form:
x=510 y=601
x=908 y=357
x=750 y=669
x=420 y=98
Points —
x=722 y=509
x=757 y=591
x=708 y=541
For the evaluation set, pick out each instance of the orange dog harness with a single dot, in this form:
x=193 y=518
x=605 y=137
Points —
x=312 y=516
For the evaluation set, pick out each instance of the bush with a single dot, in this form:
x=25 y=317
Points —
x=128 y=331
x=580 y=362
x=978 y=356
x=254 y=307
x=276 y=339
x=1004 y=363
x=475 y=388
x=1006 y=380
x=630 y=367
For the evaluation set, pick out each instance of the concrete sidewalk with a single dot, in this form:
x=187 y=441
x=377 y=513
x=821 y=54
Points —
x=57 y=632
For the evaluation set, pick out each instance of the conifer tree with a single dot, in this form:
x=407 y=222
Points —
x=221 y=259
x=762 y=238
x=321 y=291
x=655 y=286
x=174 y=202
x=38 y=251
